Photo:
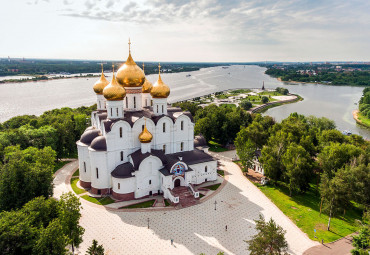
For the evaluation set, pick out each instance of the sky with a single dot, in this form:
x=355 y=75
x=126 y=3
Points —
x=192 y=31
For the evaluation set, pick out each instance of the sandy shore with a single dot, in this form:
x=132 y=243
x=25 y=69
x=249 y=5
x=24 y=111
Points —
x=355 y=116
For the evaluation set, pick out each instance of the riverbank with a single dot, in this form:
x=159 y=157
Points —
x=361 y=120
x=265 y=107
x=46 y=78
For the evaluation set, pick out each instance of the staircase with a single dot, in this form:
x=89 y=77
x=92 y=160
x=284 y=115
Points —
x=185 y=196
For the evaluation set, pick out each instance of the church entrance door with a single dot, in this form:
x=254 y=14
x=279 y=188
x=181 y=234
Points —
x=177 y=183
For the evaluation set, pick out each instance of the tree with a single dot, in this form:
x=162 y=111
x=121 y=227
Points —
x=69 y=215
x=361 y=242
x=270 y=239
x=51 y=241
x=298 y=166
x=95 y=249
x=245 y=148
x=265 y=99
x=246 y=105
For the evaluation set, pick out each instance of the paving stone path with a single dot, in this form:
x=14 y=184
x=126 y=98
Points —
x=196 y=229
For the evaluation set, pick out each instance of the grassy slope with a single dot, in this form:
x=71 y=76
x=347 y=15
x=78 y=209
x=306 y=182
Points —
x=76 y=189
x=145 y=204
x=216 y=147
x=304 y=211
x=99 y=201
x=213 y=187
x=365 y=121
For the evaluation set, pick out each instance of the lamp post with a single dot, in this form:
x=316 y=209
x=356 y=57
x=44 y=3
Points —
x=215 y=204
x=148 y=223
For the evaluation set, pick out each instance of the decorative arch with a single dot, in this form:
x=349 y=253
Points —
x=179 y=169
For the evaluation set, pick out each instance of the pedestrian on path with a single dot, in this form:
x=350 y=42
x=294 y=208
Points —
x=226 y=227
x=171 y=241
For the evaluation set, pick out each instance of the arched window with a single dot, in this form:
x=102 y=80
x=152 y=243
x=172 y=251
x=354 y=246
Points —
x=117 y=112
x=97 y=173
x=182 y=125
x=157 y=109
x=85 y=166
x=181 y=146
x=134 y=102
x=119 y=185
x=164 y=148
x=150 y=182
x=126 y=102
x=205 y=169
x=142 y=127
x=162 y=109
x=121 y=155
x=111 y=111
x=164 y=127
x=120 y=132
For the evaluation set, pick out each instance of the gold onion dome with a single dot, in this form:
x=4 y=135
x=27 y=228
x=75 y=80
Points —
x=114 y=91
x=101 y=83
x=130 y=74
x=160 y=89
x=147 y=86
x=145 y=136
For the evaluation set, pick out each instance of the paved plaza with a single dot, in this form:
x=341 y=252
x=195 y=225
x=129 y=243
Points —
x=195 y=229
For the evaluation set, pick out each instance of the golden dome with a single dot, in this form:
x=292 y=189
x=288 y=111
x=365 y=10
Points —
x=145 y=136
x=147 y=86
x=114 y=91
x=160 y=89
x=101 y=83
x=130 y=74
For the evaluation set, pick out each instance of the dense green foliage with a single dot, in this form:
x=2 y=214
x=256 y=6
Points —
x=270 y=239
x=42 y=67
x=41 y=226
x=300 y=148
x=329 y=75
x=59 y=129
x=364 y=103
x=95 y=249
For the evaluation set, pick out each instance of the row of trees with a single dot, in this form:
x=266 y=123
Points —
x=364 y=103
x=299 y=148
x=58 y=129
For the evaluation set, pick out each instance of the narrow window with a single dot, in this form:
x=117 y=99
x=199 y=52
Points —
x=117 y=112
x=162 y=109
x=121 y=155
x=111 y=111
x=151 y=102
x=157 y=109
x=120 y=132
x=99 y=104
x=134 y=102
x=182 y=146
x=142 y=127
x=182 y=125
x=85 y=166
x=97 y=173
x=164 y=148
x=150 y=182
x=205 y=169
x=119 y=185
x=164 y=127
x=126 y=102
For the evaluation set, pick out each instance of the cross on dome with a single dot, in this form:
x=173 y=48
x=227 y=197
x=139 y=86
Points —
x=129 y=45
x=159 y=68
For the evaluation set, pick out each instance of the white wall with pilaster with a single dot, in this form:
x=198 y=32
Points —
x=98 y=161
x=84 y=162
x=100 y=102
x=146 y=99
x=201 y=174
x=115 y=109
x=164 y=138
x=133 y=100
x=148 y=177
x=160 y=106
x=126 y=185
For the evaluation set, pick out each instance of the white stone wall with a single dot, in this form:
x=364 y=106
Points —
x=201 y=175
x=146 y=99
x=148 y=177
x=127 y=185
x=98 y=161
x=84 y=160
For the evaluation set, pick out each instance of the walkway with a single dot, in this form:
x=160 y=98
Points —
x=196 y=229
x=341 y=247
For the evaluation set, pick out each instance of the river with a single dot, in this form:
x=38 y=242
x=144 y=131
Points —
x=333 y=102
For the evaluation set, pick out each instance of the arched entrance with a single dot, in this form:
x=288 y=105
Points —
x=177 y=183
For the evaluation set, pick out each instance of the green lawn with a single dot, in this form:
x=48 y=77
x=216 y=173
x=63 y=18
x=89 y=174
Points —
x=201 y=195
x=213 y=187
x=365 y=121
x=77 y=173
x=240 y=91
x=166 y=202
x=60 y=164
x=98 y=200
x=216 y=147
x=271 y=93
x=222 y=96
x=221 y=172
x=304 y=211
x=76 y=189
x=145 y=204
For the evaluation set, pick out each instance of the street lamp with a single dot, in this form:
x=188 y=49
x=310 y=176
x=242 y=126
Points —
x=215 y=204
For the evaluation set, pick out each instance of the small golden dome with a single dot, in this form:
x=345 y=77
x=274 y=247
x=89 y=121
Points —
x=114 y=91
x=130 y=74
x=101 y=83
x=145 y=136
x=160 y=89
x=147 y=86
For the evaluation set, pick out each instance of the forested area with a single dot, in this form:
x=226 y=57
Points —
x=364 y=103
x=301 y=152
x=31 y=221
x=353 y=78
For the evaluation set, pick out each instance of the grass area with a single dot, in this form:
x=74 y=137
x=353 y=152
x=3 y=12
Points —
x=222 y=96
x=213 y=187
x=304 y=211
x=98 y=200
x=230 y=106
x=76 y=189
x=271 y=93
x=216 y=147
x=145 y=204
x=364 y=121
x=240 y=91
x=299 y=98
x=60 y=164
x=77 y=173
x=221 y=172
x=201 y=195
x=166 y=202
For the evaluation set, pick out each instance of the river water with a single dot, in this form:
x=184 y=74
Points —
x=333 y=102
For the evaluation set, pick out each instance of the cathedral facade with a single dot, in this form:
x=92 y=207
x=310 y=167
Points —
x=137 y=145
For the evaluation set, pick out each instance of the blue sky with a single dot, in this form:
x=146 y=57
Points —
x=199 y=30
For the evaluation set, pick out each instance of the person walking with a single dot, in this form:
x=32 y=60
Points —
x=171 y=241
x=226 y=227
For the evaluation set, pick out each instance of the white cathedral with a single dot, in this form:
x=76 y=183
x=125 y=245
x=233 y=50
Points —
x=137 y=145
